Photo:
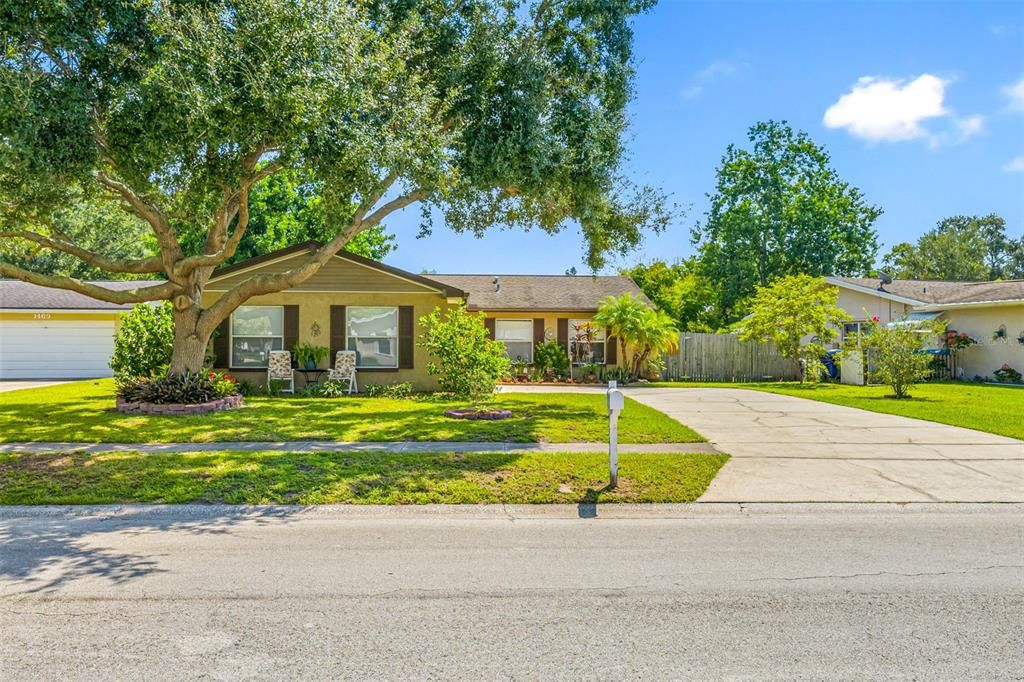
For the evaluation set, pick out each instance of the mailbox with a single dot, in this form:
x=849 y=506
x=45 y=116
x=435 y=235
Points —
x=616 y=400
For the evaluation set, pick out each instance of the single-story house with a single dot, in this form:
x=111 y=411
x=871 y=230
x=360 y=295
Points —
x=359 y=304
x=351 y=303
x=992 y=313
x=56 y=334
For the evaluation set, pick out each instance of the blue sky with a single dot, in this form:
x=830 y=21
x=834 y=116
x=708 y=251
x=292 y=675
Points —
x=923 y=116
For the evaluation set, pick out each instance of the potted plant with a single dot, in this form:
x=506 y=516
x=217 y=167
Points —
x=309 y=356
x=999 y=334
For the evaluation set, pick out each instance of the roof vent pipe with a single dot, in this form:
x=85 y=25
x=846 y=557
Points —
x=497 y=284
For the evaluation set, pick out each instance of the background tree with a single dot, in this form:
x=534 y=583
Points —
x=780 y=209
x=484 y=113
x=95 y=225
x=798 y=313
x=958 y=248
x=681 y=290
x=284 y=210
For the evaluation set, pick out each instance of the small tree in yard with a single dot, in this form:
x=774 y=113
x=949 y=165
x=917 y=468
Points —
x=468 y=363
x=635 y=324
x=799 y=314
x=485 y=113
x=898 y=355
x=144 y=341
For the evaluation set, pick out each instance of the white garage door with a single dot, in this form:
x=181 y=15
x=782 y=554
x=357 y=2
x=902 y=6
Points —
x=55 y=349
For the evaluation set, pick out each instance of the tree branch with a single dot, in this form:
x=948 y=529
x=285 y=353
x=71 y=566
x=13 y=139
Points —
x=268 y=284
x=157 y=292
x=125 y=265
x=192 y=263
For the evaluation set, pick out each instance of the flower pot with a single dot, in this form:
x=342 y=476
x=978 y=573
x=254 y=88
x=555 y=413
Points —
x=310 y=363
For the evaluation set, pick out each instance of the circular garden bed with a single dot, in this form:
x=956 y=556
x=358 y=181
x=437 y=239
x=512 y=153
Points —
x=228 y=403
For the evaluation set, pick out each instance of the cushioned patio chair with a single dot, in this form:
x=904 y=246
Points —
x=345 y=369
x=279 y=369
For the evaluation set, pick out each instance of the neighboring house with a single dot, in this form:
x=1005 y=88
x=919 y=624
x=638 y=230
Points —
x=359 y=304
x=56 y=334
x=990 y=312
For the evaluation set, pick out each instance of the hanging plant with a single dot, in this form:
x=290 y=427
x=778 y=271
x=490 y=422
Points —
x=999 y=334
x=1020 y=338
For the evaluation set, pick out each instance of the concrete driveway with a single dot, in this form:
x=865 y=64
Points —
x=787 y=449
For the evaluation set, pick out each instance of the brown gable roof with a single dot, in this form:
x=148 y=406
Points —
x=582 y=293
x=945 y=292
x=310 y=246
x=18 y=295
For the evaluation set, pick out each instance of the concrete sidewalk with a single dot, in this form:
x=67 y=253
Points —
x=336 y=446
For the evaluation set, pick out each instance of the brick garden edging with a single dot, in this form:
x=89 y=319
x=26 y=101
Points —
x=228 y=403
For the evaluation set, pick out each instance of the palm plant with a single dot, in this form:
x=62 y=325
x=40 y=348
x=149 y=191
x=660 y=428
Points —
x=635 y=324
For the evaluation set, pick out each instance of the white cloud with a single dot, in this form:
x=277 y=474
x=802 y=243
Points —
x=1015 y=93
x=884 y=110
x=1014 y=165
x=715 y=71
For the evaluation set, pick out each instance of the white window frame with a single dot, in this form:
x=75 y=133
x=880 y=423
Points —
x=603 y=341
x=394 y=339
x=860 y=329
x=528 y=340
x=231 y=336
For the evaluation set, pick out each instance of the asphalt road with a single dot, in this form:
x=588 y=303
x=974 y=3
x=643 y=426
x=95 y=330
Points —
x=704 y=592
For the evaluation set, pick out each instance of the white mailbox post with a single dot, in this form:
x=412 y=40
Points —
x=616 y=401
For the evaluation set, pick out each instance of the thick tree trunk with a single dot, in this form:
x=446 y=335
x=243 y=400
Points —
x=190 y=343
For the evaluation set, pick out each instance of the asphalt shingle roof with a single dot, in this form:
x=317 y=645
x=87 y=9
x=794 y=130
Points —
x=947 y=293
x=16 y=295
x=540 y=292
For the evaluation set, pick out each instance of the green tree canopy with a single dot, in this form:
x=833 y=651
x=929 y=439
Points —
x=780 y=209
x=483 y=113
x=798 y=313
x=681 y=290
x=959 y=248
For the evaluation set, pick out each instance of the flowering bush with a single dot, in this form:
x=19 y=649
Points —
x=187 y=388
x=956 y=340
x=1007 y=375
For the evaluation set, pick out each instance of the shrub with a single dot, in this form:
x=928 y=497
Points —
x=649 y=332
x=143 y=344
x=551 y=357
x=186 y=388
x=303 y=351
x=332 y=388
x=1007 y=375
x=468 y=362
x=398 y=391
x=898 y=355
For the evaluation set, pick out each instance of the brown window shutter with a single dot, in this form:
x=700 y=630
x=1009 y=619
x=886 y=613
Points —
x=611 y=350
x=337 y=332
x=538 y=330
x=406 y=338
x=222 y=345
x=291 y=327
x=489 y=324
x=563 y=332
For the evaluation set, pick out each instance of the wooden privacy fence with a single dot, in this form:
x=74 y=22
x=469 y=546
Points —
x=723 y=357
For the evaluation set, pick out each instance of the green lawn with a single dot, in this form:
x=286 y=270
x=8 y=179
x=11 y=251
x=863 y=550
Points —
x=84 y=412
x=350 y=478
x=995 y=409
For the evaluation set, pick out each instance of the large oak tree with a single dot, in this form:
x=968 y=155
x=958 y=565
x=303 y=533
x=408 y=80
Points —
x=484 y=113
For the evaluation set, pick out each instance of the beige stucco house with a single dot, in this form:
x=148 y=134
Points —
x=990 y=312
x=358 y=304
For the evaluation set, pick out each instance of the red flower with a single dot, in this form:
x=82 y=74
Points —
x=874 y=318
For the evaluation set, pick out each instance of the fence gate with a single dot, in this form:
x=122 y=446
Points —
x=723 y=357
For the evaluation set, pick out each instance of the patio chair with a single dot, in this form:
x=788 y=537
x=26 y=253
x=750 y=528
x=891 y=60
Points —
x=345 y=370
x=279 y=369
